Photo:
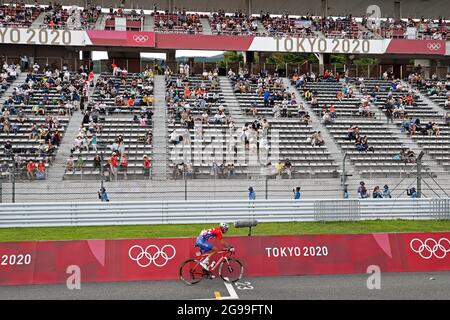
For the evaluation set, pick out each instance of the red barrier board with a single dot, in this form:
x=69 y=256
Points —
x=121 y=38
x=40 y=262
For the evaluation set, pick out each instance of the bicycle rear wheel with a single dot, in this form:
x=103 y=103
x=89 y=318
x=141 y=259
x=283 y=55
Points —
x=231 y=270
x=191 y=271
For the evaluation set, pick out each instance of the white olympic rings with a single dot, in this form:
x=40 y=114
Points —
x=433 y=46
x=140 y=38
x=430 y=247
x=151 y=256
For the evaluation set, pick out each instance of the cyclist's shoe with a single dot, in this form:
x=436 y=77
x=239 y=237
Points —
x=204 y=265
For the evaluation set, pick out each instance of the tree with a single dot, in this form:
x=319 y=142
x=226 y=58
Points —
x=231 y=57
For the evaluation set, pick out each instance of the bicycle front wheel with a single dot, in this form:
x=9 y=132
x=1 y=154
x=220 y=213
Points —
x=231 y=270
x=191 y=271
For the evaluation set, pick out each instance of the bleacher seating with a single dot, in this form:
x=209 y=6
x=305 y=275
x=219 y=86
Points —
x=178 y=23
x=110 y=120
x=18 y=16
x=384 y=146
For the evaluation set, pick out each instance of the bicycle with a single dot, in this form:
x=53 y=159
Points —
x=230 y=269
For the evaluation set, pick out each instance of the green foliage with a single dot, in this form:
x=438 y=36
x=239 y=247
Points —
x=231 y=57
x=280 y=58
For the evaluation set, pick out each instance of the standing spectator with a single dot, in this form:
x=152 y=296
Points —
x=386 y=192
x=5 y=171
x=114 y=163
x=30 y=169
x=124 y=166
x=251 y=194
x=94 y=142
x=102 y=195
x=362 y=191
x=297 y=193
x=97 y=162
x=146 y=166
x=345 y=193
x=8 y=148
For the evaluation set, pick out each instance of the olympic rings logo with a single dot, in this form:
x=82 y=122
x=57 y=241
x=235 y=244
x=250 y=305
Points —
x=140 y=38
x=430 y=247
x=145 y=257
x=433 y=46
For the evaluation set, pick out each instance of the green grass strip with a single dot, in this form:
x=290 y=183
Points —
x=192 y=230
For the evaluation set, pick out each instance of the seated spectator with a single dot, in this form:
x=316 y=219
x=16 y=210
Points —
x=376 y=194
x=70 y=165
x=362 y=191
x=412 y=192
x=316 y=139
x=386 y=192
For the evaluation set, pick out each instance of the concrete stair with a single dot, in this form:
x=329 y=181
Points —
x=160 y=135
x=101 y=22
x=56 y=171
x=38 y=21
x=206 y=26
x=149 y=23
x=261 y=29
x=231 y=102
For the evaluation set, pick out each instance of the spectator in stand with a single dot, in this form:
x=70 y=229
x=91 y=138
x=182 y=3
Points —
x=386 y=192
x=124 y=166
x=102 y=195
x=412 y=192
x=80 y=163
x=146 y=166
x=70 y=165
x=362 y=191
x=297 y=193
x=97 y=162
x=376 y=194
x=113 y=165
x=31 y=167
x=251 y=194
x=40 y=173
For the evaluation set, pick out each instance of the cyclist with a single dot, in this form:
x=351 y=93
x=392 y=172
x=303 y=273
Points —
x=205 y=246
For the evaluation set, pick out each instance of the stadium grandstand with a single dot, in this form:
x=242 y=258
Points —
x=320 y=94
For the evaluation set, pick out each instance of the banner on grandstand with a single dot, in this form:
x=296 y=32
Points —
x=293 y=44
x=120 y=38
x=33 y=36
x=39 y=262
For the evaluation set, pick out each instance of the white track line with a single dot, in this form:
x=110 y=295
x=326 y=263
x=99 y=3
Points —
x=231 y=291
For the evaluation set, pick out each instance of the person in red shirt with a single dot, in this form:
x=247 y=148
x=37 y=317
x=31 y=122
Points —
x=187 y=93
x=114 y=163
x=147 y=166
x=40 y=174
x=124 y=166
x=30 y=169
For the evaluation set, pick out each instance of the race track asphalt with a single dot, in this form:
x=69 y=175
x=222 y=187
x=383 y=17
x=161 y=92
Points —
x=426 y=285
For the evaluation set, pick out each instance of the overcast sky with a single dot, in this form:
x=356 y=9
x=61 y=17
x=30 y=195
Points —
x=101 y=55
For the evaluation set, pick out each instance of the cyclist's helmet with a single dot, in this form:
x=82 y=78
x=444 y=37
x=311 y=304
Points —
x=224 y=226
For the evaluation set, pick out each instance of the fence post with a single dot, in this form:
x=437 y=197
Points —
x=287 y=76
x=267 y=189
